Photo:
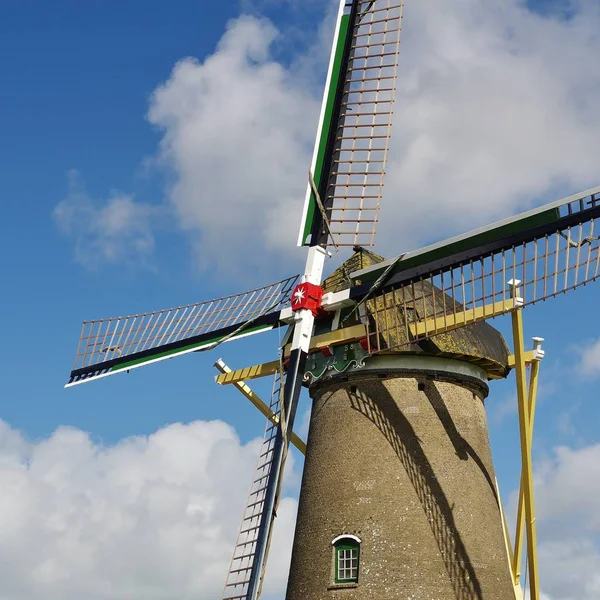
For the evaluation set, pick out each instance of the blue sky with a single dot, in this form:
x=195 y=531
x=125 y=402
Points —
x=78 y=94
x=80 y=79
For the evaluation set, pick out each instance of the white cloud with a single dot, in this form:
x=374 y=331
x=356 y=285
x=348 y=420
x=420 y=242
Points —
x=238 y=132
x=589 y=365
x=567 y=490
x=115 y=230
x=571 y=568
x=496 y=111
x=158 y=514
x=151 y=517
x=570 y=487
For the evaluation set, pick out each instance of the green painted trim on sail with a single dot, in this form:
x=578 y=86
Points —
x=479 y=239
x=327 y=120
x=166 y=353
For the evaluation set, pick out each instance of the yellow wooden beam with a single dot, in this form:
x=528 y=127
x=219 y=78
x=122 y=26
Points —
x=258 y=402
x=248 y=373
x=337 y=336
x=527 y=466
x=434 y=325
x=528 y=356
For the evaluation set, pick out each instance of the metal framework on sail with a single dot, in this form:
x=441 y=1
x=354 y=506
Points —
x=245 y=554
x=549 y=251
x=112 y=345
x=353 y=138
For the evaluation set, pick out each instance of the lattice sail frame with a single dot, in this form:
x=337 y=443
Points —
x=355 y=179
x=547 y=259
x=363 y=137
x=116 y=344
x=245 y=550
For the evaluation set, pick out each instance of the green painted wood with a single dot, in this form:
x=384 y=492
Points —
x=170 y=353
x=327 y=121
x=465 y=244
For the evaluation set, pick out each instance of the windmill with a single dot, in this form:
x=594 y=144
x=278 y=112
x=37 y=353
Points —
x=396 y=354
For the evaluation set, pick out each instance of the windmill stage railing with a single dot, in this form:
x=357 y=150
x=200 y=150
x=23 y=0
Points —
x=362 y=140
x=105 y=341
x=548 y=260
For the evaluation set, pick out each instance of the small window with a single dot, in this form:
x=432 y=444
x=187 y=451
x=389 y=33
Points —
x=347 y=552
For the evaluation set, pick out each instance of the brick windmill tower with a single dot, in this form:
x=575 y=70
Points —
x=398 y=498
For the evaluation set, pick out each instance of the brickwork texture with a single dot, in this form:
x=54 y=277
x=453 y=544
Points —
x=403 y=462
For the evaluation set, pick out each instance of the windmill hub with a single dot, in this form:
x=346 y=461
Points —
x=307 y=296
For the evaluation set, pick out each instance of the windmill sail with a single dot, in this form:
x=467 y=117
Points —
x=353 y=138
x=247 y=562
x=549 y=251
x=114 y=345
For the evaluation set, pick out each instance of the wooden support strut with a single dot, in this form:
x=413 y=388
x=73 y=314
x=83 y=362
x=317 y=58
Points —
x=529 y=356
x=533 y=385
x=509 y=550
x=526 y=440
x=255 y=398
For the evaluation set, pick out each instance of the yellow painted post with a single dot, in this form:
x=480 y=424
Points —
x=533 y=385
x=526 y=438
x=260 y=404
x=517 y=588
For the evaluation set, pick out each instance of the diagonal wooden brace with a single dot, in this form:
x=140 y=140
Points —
x=258 y=402
x=532 y=399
